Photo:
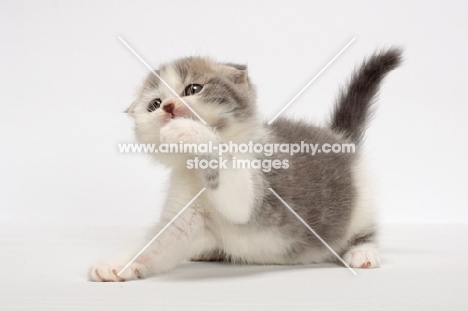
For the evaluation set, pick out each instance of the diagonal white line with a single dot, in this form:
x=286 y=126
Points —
x=161 y=79
x=160 y=232
x=313 y=79
x=313 y=231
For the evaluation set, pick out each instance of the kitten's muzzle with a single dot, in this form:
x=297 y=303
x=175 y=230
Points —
x=174 y=109
x=169 y=107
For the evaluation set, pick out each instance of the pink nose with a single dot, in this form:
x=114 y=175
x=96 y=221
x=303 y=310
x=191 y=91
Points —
x=169 y=107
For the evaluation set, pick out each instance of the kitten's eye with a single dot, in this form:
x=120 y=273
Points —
x=154 y=104
x=193 y=89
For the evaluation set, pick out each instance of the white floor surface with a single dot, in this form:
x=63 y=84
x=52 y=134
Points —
x=425 y=267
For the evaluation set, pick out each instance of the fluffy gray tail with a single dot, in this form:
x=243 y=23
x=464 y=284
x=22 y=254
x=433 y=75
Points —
x=352 y=110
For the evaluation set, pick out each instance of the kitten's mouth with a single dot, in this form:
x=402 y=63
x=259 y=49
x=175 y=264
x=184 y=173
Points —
x=172 y=115
x=169 y=115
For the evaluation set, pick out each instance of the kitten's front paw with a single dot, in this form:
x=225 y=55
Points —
x=108 y=273
x=363 y=256
x=186 y=131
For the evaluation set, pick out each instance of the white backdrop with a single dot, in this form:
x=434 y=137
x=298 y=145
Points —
x=65 y=79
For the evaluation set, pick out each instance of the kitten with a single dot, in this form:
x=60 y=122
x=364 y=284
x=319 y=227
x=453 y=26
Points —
x=237 y=218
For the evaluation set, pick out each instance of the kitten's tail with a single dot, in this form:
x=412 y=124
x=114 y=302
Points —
x=353 y=108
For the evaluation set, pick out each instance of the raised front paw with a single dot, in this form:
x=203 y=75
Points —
x=109 y=273
x=363 y=256
x=186 y=131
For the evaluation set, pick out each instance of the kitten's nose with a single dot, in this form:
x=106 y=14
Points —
x=169 y=107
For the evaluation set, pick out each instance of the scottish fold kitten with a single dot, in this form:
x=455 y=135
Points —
x=238 y=218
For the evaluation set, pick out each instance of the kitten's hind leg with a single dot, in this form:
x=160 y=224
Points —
x=363 y=255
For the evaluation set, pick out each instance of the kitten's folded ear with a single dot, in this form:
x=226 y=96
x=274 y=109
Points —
x=237 y=73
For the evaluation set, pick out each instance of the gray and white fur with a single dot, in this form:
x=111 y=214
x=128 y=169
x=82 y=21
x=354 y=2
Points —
x=237 y=218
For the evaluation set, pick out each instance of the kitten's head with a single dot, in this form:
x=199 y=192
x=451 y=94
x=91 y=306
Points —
x=220 y=93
